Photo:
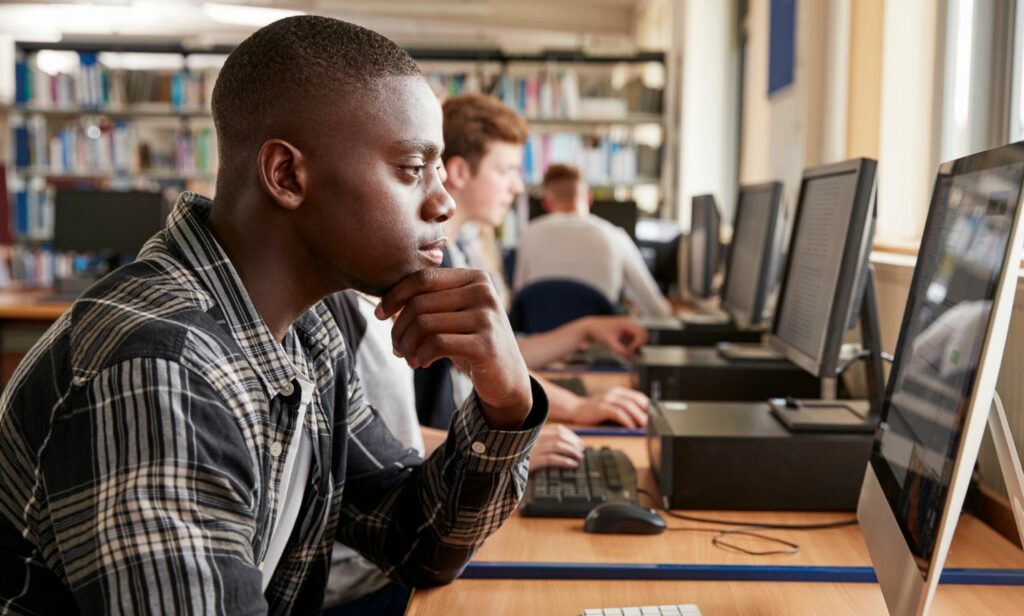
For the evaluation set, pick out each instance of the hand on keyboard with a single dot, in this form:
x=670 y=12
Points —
x=626 y=407
x=557 y=446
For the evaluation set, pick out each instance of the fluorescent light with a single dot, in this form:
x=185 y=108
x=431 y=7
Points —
x=236 y=15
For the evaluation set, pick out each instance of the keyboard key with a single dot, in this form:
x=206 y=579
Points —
x=631 y=611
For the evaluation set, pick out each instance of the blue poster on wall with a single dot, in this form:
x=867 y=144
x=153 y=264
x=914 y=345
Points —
x=781 y=45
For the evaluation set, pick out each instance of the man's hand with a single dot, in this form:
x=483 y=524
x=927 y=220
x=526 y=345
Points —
x=455 y=313
x=623 y=406
x=556 y=446
x=620 y=334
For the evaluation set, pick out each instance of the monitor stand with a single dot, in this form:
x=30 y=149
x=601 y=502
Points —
x=845 y=416
x=1009 y=462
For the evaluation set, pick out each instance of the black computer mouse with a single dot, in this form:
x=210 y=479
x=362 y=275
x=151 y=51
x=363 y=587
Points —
x=623 y=517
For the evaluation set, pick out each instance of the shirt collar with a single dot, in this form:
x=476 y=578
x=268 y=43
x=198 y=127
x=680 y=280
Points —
x=187 y=230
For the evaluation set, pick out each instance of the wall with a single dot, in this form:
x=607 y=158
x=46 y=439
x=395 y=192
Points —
x=909 y=118
x=867 y=18
x=804 y=124
x=709 y=93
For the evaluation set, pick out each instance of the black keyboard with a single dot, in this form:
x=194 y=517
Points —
x=604 y=475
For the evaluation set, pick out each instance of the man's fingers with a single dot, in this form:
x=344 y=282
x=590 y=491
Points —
x=619 y=414
x=551 y=459
x=448 y=300
x=425 y=281
x=438 y=346
x=423 y=326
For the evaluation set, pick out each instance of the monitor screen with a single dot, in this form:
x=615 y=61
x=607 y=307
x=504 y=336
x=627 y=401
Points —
x=622 y=214
x=703 y=246
x=658 y=241
x=100 y=220
x=941 y=341
x=834 y=212
x=751 y=250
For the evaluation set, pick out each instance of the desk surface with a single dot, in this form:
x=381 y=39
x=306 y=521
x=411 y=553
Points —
x=556 y=540
x=29 y=306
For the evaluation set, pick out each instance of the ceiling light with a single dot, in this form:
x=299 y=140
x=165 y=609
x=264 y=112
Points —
x=245 y=15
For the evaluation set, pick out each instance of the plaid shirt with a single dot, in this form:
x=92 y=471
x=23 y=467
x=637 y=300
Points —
x=142 y=443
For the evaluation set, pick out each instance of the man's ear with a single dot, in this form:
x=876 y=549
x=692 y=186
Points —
x=284 y=174
x=459 y=172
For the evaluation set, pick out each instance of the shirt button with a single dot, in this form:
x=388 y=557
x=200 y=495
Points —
x=478 y=447
x=287 y=389
x=260 y=566
x=275 y=449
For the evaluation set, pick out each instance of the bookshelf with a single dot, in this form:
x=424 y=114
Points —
x=102 y=122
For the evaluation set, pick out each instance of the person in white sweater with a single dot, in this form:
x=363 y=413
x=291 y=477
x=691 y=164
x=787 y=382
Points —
x=571 y=243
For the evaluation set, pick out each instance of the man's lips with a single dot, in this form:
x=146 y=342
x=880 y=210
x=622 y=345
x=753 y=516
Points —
x=434 y=250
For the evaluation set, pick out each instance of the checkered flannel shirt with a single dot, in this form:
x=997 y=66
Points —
x=141 y=453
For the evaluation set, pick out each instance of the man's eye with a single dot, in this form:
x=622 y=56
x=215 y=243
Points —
x=414 y=170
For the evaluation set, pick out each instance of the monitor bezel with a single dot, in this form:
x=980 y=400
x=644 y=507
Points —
x=756 y=313
x=849 y=270
x=710 y=250
x=905 y=588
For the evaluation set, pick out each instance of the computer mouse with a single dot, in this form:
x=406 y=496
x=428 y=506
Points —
x=623 y=517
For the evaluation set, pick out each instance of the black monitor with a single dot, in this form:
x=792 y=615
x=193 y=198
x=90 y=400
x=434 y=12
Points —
x=827 y=269
x=702 y=256
x=105 y=221
x=658 y=241
x=752 y=269
x=622 y=214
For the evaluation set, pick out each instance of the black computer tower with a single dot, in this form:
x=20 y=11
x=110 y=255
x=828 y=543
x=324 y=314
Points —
x=737 y=456
x=702 y=373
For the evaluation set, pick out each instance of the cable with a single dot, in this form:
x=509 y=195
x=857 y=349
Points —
x=887 y=356
x=690 y=518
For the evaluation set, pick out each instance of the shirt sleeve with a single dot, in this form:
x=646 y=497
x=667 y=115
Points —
x=149 y=488
x=639 y=284
x=421 y=523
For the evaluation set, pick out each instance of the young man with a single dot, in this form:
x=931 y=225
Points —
x=191 y=437
x=483 y=156
x=570 y=242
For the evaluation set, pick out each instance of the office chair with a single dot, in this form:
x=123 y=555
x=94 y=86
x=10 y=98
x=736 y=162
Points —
x=547 y=304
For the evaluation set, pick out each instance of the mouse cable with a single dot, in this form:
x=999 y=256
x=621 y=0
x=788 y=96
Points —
x=747 y=525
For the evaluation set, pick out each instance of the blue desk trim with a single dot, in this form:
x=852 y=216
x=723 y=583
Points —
x=609 y=431
x=763 y=573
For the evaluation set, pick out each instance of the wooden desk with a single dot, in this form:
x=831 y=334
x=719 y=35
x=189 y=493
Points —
x=557 y=540
x=24 y=316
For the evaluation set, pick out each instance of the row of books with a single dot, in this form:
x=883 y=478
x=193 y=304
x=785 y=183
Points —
x=95 y=86
x=31 y=215
x=87 y=145
x=603 y=161
x=553 y=94
x=35 y=265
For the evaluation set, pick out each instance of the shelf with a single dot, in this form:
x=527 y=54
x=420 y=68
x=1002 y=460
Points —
x=632 y=119
x=123 y=112
x=152 y=174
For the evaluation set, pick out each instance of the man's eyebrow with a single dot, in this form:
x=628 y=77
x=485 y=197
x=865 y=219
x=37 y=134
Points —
x=429 y=148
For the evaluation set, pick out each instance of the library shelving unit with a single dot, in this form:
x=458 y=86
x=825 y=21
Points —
x=105 y=122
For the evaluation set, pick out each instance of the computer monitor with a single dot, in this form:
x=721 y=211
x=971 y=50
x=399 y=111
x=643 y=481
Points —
x=658 y=241
x=622 y=214
x=105 y=221
x=826 y=271
x=702 y=255
x=751 y=271
x=944 y=373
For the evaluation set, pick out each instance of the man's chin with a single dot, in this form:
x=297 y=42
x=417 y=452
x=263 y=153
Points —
x=381 y=288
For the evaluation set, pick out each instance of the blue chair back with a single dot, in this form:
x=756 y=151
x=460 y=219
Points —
x=547 y=304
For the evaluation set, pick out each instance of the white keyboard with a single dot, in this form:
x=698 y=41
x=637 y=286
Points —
x=648 y=610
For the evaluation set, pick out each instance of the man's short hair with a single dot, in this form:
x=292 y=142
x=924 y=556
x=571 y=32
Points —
x=562 y=182
x=292 y=64
x=474 y=121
